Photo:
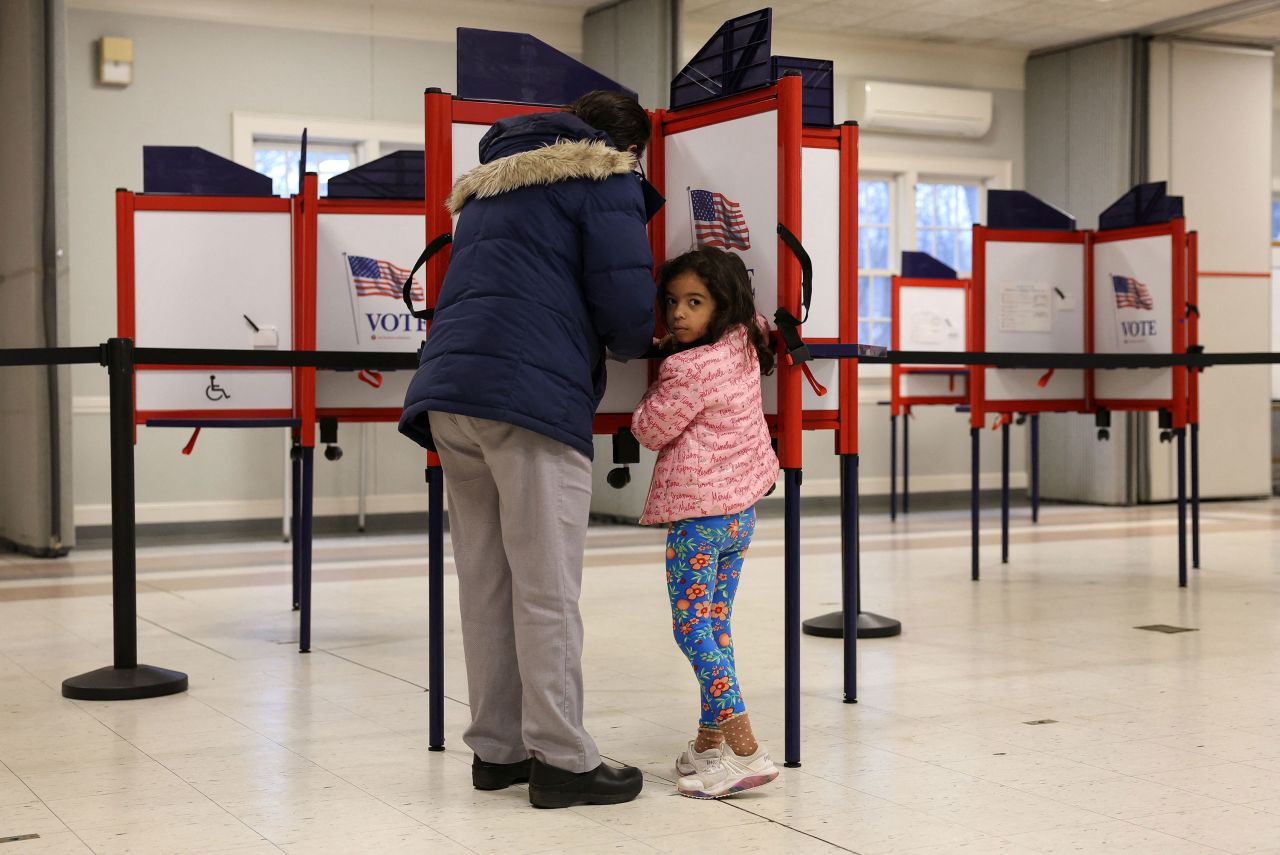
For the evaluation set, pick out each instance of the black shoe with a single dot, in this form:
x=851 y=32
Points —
x=498 y=776
x=552 y=787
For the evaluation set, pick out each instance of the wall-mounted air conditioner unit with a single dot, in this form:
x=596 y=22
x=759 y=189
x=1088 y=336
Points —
x=934 y=110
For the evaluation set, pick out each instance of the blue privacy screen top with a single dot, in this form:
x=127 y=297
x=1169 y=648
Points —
x=191 y=171
x=1144 y=205
x=394 y=176
x=818 y=76
x=734 y=60
x=517 y=68
x=1018 y=209
x=922 y=265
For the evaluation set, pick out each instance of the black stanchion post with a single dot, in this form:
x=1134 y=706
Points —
x=295 y=501
x=1195 y=495
x=791 y=611
x=1035 y=467
x=973 y=501
x=851 y=577
x=435 y=605
x=125 y=679
x=1181 y=435
x=304 y=548
x=906 y=462
x=893 y=468
x=1004 y=493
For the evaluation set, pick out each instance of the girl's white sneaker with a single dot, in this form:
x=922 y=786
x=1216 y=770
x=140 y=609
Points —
x=728 y=775
x=691 y=762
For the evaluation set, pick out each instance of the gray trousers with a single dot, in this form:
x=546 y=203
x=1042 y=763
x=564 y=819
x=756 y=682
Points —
x=518 y=506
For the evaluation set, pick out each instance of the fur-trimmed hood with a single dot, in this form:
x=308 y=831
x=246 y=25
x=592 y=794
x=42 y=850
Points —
x=564 y=160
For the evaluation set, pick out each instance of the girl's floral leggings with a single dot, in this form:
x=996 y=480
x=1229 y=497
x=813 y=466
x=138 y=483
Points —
x=704 y=566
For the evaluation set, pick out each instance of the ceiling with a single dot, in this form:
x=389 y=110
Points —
x=1012 y=24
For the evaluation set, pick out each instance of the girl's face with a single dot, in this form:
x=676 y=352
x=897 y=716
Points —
x=689 y=307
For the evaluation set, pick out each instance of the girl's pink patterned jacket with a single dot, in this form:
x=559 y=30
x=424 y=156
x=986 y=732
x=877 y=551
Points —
x=703 y=415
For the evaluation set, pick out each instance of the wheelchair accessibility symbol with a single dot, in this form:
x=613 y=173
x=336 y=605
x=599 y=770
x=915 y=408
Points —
x=214 y=392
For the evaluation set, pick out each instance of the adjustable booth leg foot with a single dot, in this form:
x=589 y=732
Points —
x=791 y=617
x=1035 y=467
x=973 y=502
x=1195 y=496
x=1004 y=494
x=435 y=606
x=906 y=462
x=295 y=500
x=893 y=468
x=1181 y=436
x=304 y=550
x=851 y=582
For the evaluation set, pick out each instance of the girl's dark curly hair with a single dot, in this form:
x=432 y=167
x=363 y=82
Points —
x=729 y=285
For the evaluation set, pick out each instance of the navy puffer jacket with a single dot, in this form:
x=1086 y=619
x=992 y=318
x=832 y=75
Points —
x=551 y=265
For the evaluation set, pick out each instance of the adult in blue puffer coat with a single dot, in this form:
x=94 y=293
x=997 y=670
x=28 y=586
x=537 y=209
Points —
x=550 y=267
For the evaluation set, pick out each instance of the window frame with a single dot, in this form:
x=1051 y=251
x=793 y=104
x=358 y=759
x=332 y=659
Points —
x=906 y=172
x=368 y=138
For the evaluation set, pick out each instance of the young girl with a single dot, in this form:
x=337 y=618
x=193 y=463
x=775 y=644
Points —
x=704 y=417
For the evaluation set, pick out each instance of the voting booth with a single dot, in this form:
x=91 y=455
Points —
x=928 y=313
x=204 y=260
x=1125 y=289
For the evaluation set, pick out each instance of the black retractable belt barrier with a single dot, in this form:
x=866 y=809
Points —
x=125 y=679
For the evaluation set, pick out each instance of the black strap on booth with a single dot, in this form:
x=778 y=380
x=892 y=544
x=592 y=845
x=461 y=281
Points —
x=786 y=322
x=440 y=242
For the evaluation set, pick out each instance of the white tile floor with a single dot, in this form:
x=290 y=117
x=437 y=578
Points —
x=1159 y=743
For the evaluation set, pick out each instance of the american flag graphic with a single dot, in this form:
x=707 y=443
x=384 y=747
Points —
x=1131 y=294
x=718 y=221
x=373 y=277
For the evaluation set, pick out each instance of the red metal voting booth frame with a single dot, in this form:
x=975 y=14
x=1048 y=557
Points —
x=901 y=404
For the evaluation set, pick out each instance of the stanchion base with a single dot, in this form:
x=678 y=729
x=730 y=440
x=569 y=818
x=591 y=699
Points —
x=795 y=765
x=831 y=625
x=124 y=684
x=435 y=748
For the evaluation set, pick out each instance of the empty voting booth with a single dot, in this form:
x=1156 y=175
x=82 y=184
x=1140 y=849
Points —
x=929 y=313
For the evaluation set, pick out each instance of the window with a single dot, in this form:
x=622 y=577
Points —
x=1275 y=218
x=945 y=214
x=271 y=144
x=904 y=202
x=278 y=159
x=875 y=259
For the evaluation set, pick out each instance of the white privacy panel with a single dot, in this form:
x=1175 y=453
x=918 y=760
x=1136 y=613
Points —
x=214 y=389
x=627 y=384
x=820 y=219
x=1132 y=293
x=361 y=259
x=466 y=147
x=1035 y=303
x=737 y=162
x=931 y=318
x=917 y=384
x=197 y=276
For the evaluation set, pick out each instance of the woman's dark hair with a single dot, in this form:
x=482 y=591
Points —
x=618 y=115
x=729 y=285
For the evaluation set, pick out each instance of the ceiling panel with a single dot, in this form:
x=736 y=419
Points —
x=1016 y=24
